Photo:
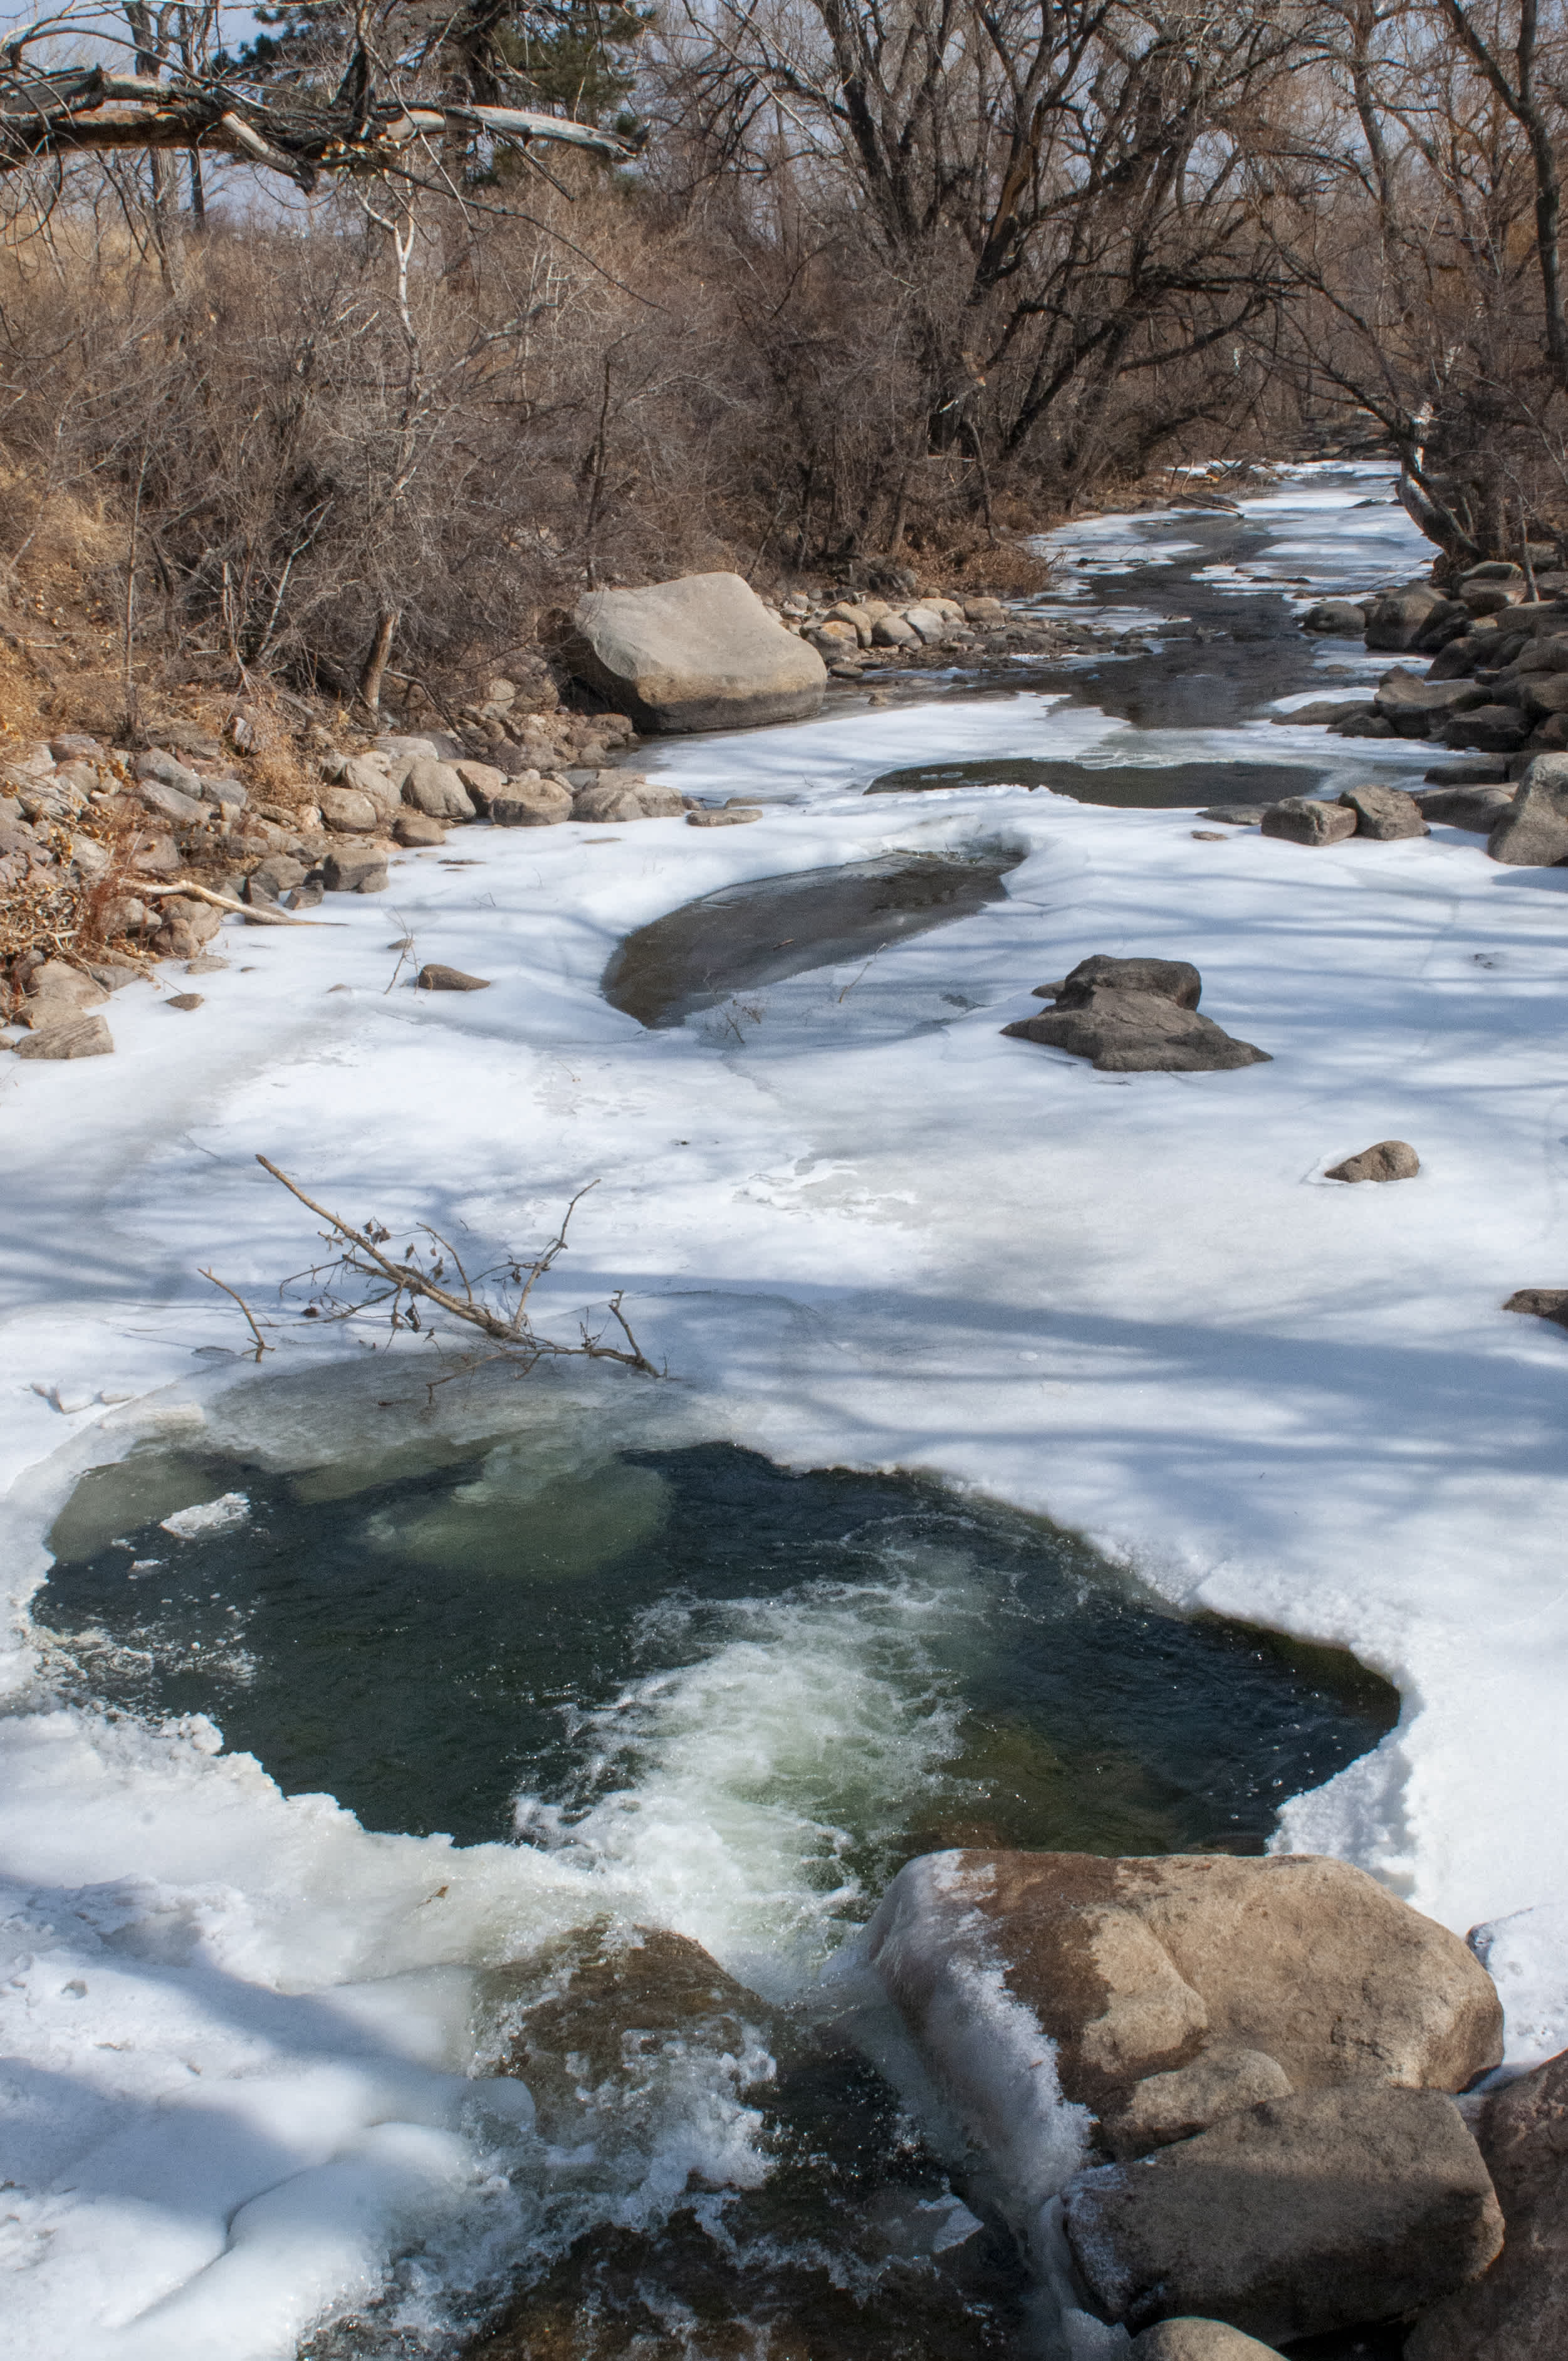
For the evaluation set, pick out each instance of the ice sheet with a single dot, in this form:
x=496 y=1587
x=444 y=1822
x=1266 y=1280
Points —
x=865 y=1229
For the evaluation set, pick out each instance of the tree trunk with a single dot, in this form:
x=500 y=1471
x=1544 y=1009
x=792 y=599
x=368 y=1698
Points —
x=375 y=662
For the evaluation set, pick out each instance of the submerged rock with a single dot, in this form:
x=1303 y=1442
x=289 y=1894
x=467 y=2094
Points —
x=724 y=816
x=1134 y=1017
x=1296 y=2217
x=1519 y=2310
x=699 y=653
x=1389 y=1159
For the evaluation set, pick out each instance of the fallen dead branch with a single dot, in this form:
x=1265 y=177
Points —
x=251 y=910
x=360 y=1277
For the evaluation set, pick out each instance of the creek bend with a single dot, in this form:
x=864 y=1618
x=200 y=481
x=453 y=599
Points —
x=718 y=1704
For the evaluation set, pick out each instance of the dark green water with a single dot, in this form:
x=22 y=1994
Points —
x=426 y=1644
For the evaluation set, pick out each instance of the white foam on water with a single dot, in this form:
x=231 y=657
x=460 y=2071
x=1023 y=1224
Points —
x=735 y=1793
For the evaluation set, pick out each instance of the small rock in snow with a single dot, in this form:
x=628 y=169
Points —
x=185 y=1000
x=1545 y=1302
x=730 y=816
x=450 y=979
x=1388 y=1160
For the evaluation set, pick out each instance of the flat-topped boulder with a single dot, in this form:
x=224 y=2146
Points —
x=702 y=652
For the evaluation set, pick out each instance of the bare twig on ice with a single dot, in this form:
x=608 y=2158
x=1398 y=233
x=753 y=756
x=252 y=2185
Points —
x=360 y=1276
x=261 y=1344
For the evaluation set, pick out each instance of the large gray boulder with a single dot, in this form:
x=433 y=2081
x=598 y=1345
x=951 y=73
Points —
x=1396 y=620
x=1490 y=729
x=1533 y=831
x=435 y=789
x=1135 y=1016
x=1386 y=814
x=1296 y=2217
x=699 y=653
x=1138 y=1967
x=1519 y=2310
x=1303 y=819
x=531 y=802
x=1476 y=809
x=1409 y=702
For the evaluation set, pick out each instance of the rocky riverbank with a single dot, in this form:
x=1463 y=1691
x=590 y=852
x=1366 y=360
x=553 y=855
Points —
x=1221 y=2092
x=113 y=855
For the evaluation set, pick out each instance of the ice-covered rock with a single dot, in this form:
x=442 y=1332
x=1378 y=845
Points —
x=1139 y=1966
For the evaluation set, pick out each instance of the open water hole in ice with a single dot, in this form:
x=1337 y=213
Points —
x=743 y=1697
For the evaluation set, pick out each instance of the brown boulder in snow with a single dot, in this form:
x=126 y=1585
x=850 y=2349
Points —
x=702 y=652
x=1390 y=1159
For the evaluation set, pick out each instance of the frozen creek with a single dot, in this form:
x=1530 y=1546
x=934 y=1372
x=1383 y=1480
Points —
x=249 y=2029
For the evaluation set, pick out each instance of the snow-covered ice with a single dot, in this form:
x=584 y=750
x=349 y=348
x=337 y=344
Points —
x=865 y=1230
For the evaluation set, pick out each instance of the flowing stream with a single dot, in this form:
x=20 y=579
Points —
x=682 y=1714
